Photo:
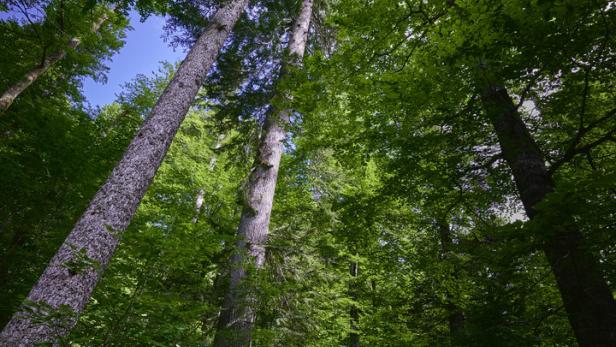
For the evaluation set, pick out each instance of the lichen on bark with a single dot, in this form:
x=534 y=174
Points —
x=238 y=313
x=98 y=231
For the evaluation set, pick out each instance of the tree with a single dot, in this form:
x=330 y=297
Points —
x=588 y=300
x=160 y=286
x=54 y=154
x=426 y=77
x=238 y=313
x=55 y=159
x=50 y=59
x=433 y=154
x=66 y=285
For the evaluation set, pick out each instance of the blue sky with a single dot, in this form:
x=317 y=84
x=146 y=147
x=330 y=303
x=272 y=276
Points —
x=143 y=49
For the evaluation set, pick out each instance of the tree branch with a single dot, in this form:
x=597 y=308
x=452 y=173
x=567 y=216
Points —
x=574 y=150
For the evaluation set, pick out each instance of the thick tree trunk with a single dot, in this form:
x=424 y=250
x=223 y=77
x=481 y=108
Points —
x=67 y=283
x=587 y=298
x=354 y=310
x=7 y=98
x=237 y=316
x=455 y=315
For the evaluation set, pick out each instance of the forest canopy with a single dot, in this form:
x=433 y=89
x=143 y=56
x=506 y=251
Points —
x=312 y=173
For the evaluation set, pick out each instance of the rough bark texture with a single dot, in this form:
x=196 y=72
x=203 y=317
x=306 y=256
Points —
x=354 y=311
x=72 y=274
x=237 y=316
x=7 y=98
x=587 y=298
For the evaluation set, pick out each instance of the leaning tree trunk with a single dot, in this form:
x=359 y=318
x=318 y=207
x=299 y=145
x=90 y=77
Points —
x=237 y=315
x=63 y=290
x=587 y=298
x=7 y=98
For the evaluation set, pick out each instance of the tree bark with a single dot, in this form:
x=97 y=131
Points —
x=589 y=303
x=66 y=285
x=354 y=310
x=238 y=313
x=198 y=205
x=7 y=98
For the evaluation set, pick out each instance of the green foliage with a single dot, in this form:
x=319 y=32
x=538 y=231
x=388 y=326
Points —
x=57 y=318
x=35 y=30
x=54 y=159
x=393 y=166
x=80 y=262
x=162 y=286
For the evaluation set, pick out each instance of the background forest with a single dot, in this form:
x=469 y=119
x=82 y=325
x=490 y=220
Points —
x=444 y=175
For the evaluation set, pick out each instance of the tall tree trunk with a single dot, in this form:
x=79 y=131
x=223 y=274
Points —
x=354 y=310
x=587 y=298
x=7 y=98
x=455 y=315
x=237 y=315
x=67 y=283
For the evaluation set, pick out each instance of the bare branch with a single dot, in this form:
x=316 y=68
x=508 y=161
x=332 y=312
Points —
x=575 y=150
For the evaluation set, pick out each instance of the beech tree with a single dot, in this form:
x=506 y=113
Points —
x=443 y=175
x=478 y=50
x=64 y=288
x=589 y=301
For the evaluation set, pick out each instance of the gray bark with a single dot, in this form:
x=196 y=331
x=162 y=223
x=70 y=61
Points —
x=66 y=285
x=7 y=98
x=588 y=300
x=238 y=314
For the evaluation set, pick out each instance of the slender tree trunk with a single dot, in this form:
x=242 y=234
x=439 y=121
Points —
x=201 y=194
x=587 y=298
x=238 y=314
x=354 y=310
x=455 y=315
x=214 y=157
x=67 y=283
x=7 y=98
x=198 y=205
